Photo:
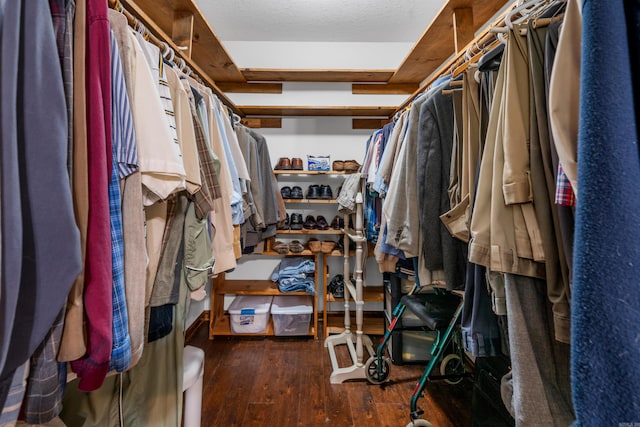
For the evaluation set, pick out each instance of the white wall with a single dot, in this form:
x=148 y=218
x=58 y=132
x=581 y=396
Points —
x=320 y=55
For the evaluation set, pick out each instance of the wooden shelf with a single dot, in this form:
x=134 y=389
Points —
x=222 y=326
x=373 y=323
x=370 y=294
x=305 y=252
x=315 y=75
x=304 y=172
x=325 y=201
x=253 y=287
x=318 y=111
x=303 y=231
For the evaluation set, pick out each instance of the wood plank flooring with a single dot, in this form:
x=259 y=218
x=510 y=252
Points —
x=284 y=382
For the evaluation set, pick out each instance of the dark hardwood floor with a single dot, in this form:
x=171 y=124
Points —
x=284 y=382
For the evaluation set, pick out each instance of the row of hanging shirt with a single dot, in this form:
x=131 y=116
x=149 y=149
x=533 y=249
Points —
x=141 y=159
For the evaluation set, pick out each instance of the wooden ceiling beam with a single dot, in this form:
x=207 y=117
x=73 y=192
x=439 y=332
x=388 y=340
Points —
x=463 y=29
x=206 y=48
x=328 y=111
x=383 y=88
x=182 y=31
x=134 y=13
x=368 y=123
x=437 y=43
x=315 y=75
x=233 y=87
x=262 y=123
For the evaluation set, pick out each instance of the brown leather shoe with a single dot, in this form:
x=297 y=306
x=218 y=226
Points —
x=338 y=165
x=296 y=164
x=284 y=163
x=351 y=166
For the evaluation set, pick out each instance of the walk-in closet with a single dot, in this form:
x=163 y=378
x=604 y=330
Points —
x=322 y=213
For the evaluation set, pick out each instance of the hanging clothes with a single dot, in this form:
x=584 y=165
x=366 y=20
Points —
x=93 y=367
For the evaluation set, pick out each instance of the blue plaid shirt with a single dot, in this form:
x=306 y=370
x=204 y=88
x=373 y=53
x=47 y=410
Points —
x=122 y=134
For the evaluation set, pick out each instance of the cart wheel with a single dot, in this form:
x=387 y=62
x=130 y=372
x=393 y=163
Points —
x=371 y=368
x=452 y=364
x=420 y=423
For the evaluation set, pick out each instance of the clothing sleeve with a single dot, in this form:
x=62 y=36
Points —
x=564 y=92
x=516 y=176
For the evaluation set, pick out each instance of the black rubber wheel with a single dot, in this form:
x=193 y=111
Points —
x=371 y=368
x=452 y=365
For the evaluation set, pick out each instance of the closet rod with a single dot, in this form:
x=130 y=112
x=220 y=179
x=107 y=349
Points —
x=135 y=15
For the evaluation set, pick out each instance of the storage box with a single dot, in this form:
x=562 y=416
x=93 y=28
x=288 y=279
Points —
x=318 y=163
x=411 y=346
x=292 y=314
x=250 y=314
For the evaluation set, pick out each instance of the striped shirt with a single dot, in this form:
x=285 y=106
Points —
x=155 y=61
x=122 y=143
x=209 y=164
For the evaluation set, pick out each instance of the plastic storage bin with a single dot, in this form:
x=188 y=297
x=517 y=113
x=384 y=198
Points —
x=292 y=314
x=250 y=314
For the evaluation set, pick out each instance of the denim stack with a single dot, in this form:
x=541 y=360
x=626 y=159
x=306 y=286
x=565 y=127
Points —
x=295 y=274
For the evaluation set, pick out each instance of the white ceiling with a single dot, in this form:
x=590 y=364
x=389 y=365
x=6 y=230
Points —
x=320 y=20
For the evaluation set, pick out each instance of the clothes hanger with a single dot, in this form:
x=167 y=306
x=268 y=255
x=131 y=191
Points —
x=525 y=10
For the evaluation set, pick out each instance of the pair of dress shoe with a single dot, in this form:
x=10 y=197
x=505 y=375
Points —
x=319 y=192
x=291 y=193
x=345 y=165
x=319 y=223
x=284 y=163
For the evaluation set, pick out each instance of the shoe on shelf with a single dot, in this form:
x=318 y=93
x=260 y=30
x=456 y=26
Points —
x=284 y=163
x=337 y=223
x=340 y=245
x=285 y=192
x=285 y=224
x=328 y=246
x=338 y=165
x=296 y=193
x=351 y=166
x=280 y=247
x=313 y=192
x=296 y=247
x=321 y=223
x=325 y=192
x=309 y=223
x=314 y=245
x=296 y=221
x=296 y=164
x=336 y=286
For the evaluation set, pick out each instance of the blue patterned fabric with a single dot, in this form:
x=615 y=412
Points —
x=295 y=274
x=121 y=347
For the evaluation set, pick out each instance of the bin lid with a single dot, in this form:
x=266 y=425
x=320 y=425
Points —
x=250 y=304
x=294 y=304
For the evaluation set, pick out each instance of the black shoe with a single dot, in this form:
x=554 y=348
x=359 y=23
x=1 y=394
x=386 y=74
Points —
x=287 y=223
x=321 y=223
x=336 y=286
x=337 y=223
x=296 y=221
x=309 y=223
x=285 y=192
x=325 y=192
x=313 y=192
x=296 y=193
